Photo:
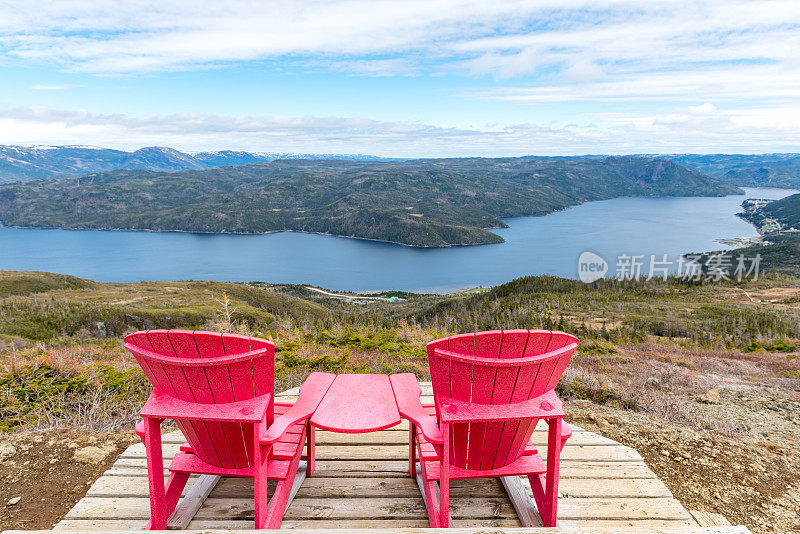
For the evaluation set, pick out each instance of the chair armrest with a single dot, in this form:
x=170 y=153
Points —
x=311 y=393
x=140 y=429
x=407 y=393
x=163 y=406
x=545 y=406
x=566 y=432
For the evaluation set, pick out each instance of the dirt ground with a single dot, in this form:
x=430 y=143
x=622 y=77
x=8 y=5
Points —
x=49 y=471
x=751 y=479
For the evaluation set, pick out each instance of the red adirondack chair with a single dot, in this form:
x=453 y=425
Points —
x=219 y=390
x=490 y=390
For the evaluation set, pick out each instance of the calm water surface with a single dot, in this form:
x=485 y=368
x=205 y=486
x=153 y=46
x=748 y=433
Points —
x=534 y=245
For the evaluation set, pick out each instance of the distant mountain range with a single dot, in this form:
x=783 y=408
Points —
x=43 y=162
x=746 y=170
x=428 y=202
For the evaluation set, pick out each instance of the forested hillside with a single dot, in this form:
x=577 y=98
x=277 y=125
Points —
x=436 y=202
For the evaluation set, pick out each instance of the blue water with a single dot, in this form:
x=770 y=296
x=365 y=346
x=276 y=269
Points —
x=534 y=245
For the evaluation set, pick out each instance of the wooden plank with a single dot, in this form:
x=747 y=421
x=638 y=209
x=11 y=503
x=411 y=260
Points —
x=523 y=504
x=188 y=506
x=584 y=509
x=631 y=488
x=321 y=526
x=407 y=508
x=391 y=436
x=127 y=486
x=362 y=526
x=540 y=435
x=89 y=525
x=709 y=519
x=399 y=468
x=341 y=484
x=393 y=526
x=370 y=451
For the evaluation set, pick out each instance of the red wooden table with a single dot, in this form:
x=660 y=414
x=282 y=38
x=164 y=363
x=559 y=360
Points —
x=357 y=403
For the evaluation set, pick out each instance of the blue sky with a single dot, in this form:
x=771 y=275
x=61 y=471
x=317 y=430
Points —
x=410 y=78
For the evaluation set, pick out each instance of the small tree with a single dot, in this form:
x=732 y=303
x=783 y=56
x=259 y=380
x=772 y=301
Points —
x=227 y=311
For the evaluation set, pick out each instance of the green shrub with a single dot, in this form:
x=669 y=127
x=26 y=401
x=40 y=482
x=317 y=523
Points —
x=98 y=396
x=777 y=345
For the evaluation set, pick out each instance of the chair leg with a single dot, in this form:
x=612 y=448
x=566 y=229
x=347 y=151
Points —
x=537 y=488
x=175 y=484
x=444 y=502
x=412 y=449
x=554 y=445
x=444 y=479
x=261 y=457
x=310 y=449
x=280 y=499
x=155 y=475
x=428 y=489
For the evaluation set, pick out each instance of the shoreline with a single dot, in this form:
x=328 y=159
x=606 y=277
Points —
x=72 y=229
x=502 y=219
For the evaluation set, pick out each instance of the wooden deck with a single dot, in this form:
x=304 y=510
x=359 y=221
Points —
x=361 y=481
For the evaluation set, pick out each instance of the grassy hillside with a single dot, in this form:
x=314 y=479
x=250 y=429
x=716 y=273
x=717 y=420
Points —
x=607 y=310
x=66 y=309
x=780 y=253
x=779 y=220
x=68 y=338
x=419 y=203
x=786 y=211
x=30 y=282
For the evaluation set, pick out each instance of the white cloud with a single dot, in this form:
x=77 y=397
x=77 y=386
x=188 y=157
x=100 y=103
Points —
x=507 y=39
x=63 y=87
x=676 y=130
x=708 y=107
x=581 y=70
x=722 y=75
x=727 y=82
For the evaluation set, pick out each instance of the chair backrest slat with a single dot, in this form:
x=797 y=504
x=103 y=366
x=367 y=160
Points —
x=227 y=445
x=484 y=381
x=488 y=344
x=461 y=389
x=538 y=341
x=513 y=343
x=242 y=380
x=209 y=344
x=461 y=368
x=558 y=341
x=183 y=343
x=499 y=435
x=439 y=368
x=159 y=340
x=263 y=369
